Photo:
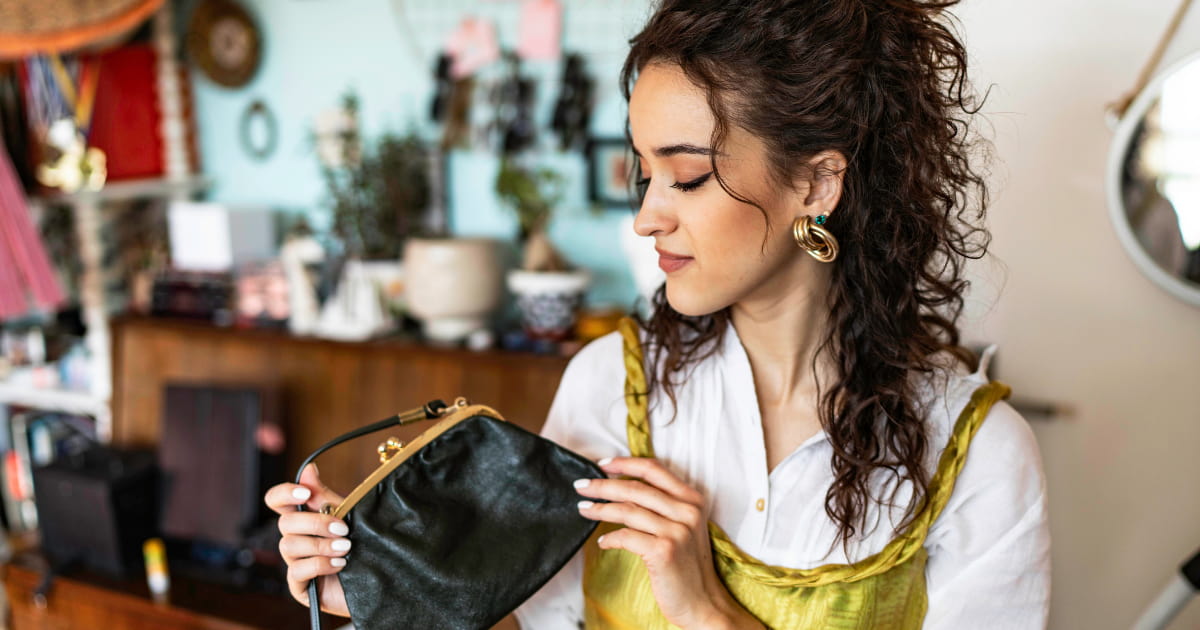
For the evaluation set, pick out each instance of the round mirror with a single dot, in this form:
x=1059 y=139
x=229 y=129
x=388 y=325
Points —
x=1154 y=180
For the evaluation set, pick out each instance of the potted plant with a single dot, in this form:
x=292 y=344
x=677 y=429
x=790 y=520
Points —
x=380 y=195
x=548 y=290
x=382 y=211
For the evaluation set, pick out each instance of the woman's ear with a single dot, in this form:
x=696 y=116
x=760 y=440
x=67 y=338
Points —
x=827 y=170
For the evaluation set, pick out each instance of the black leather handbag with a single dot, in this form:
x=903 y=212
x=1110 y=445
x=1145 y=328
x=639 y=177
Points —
x=460 y=526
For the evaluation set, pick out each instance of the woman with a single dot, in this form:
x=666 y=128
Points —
x=787 y=435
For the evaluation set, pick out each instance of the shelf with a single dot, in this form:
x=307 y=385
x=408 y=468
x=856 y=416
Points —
x=410 y=345
x=54 y=400
x=134 y=189
x=88 y=599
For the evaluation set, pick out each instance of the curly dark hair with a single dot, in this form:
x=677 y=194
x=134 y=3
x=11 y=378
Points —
x=884 y=82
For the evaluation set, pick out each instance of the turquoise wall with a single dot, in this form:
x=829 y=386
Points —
x=315 y=50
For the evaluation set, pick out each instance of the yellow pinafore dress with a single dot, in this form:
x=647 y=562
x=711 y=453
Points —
x=885 y=591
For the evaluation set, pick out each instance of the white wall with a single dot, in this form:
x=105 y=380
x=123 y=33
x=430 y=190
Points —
x=1076 y=322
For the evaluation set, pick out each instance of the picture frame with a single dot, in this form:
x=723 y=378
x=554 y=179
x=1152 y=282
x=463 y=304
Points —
x=609 y=161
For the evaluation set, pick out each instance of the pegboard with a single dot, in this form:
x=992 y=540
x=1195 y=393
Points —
x=598 y=29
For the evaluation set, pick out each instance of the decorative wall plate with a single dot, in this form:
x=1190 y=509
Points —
x=224 y=42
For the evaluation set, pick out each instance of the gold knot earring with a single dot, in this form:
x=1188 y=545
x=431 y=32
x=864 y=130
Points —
x=814 y=239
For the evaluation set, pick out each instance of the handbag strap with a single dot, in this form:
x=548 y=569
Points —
x=429 y=411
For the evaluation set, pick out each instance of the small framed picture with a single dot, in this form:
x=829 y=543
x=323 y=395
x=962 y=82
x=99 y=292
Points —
x=609 y=163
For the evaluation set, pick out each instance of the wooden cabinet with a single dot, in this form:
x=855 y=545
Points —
x=326 y=388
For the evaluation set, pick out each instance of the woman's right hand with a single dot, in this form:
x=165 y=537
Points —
x=313 y=544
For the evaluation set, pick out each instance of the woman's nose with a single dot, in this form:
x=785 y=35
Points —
x=654 y=216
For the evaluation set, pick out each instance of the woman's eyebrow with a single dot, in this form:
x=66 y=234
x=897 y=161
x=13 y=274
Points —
x=676 y=149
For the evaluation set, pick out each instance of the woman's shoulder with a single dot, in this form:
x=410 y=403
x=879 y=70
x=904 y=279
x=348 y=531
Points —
x=602 y=358
x=587 y=414
x=1003 y=430
x=993 y=530
x=1001 y=475
x=1004 y=448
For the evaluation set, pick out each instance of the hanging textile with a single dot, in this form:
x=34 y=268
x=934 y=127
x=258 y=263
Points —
x=26 y=275
x=29 y=27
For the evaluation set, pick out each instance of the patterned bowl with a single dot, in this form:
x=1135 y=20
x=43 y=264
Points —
x=548 y=300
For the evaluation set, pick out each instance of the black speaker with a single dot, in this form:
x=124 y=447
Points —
x=215 y=462
x=96 y=508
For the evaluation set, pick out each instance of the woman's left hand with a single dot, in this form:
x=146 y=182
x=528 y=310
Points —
x=665 y=525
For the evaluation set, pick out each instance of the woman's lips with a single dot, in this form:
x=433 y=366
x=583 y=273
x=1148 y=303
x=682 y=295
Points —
x=670 y=262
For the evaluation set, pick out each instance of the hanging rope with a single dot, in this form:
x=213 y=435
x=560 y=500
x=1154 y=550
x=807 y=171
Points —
x=1118 y=108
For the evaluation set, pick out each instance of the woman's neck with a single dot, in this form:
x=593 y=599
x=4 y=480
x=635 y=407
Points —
x=781 y=332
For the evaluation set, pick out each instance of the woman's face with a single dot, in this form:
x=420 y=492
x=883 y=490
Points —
x=715 y=250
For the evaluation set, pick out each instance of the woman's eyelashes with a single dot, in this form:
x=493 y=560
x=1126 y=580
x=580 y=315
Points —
x=644 y=183
x=692 y=185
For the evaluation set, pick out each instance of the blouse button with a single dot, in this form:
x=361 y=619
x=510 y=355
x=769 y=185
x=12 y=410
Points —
x=760 y=505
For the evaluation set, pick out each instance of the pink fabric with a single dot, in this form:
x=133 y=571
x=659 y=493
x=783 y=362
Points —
x=26 y=274
x=12 y=295
x=540 y=31
x=472 y=45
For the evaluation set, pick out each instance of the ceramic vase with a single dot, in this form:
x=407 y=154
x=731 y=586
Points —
x=452 y=285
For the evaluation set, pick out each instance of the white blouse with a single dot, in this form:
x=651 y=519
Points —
x=989 y=550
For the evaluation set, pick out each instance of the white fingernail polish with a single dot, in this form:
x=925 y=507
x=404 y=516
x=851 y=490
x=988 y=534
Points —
x=582 y=483
x=604 y=462
x=600 y=540
x=301 y=493
x=583 y=505
x=337 y=562
x=340 y=544
x=338 y=528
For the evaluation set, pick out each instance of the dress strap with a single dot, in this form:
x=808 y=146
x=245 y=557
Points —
x=637 y=424
x=955 y=454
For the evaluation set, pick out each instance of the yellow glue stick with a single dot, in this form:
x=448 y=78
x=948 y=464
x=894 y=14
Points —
x=157 y=577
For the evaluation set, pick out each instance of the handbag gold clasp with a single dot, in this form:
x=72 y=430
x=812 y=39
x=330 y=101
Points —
x=389 y=449
x=430 y=411
x=393 y=445
x=459 y=403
